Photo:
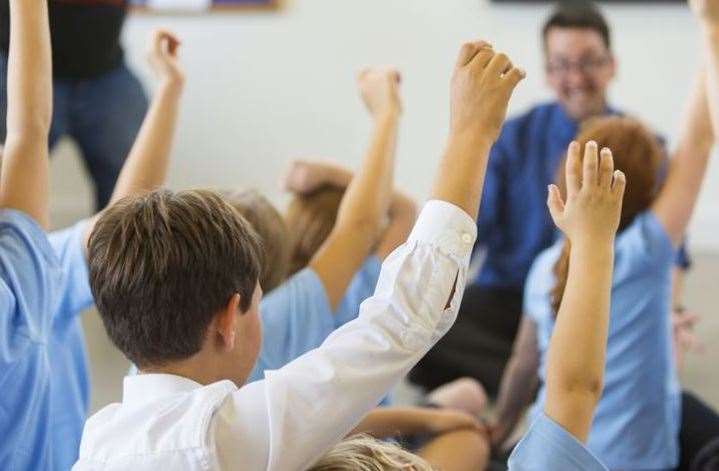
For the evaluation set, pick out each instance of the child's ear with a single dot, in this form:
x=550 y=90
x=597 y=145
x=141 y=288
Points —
x=227 y=322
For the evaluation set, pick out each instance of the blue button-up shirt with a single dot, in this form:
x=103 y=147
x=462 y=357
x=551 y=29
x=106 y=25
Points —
x=514 y=223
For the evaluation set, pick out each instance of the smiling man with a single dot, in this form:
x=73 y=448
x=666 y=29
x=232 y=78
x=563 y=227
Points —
x=515 y=224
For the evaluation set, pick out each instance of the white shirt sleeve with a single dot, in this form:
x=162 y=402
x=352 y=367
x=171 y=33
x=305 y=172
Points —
x=290 y=419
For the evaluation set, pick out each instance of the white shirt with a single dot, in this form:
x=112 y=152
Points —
x=297 y=413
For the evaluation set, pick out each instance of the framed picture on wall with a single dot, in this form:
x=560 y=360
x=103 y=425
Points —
x=203 y=5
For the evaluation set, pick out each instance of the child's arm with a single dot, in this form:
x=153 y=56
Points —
x=146 y=166
x=589 y=220
x=24 y=175
x=675 y=203
x=519 y=382
x=329 y=389
x=367 y=198
x=481 y=87
x=306 y=176
x=386 y=422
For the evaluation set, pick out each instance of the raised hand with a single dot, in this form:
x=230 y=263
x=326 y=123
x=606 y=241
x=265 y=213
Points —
x=379 y=88
x=304 y=177
x=162 y=56
x=482 y=84
x=595 y=190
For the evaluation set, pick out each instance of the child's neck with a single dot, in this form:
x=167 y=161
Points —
x=196 y=368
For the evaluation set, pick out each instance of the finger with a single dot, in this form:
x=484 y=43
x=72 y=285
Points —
x=499 y=64
x=483 y=58
x=469 y=50
x=572 y=170
x=514 y=76
x=590 y=174
x=620 y=183
x=606 y=169
x=555 y=203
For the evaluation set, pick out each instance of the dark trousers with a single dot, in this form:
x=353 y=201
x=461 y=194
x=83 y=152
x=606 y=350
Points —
x=699 y=436
x=478 y=345
x=102 y=115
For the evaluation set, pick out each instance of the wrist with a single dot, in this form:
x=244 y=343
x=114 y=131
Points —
x=172 y=84
x=387 y=115
x=473 y=140
x=588 y=246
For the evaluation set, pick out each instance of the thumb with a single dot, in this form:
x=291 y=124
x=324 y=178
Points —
x=555 y=203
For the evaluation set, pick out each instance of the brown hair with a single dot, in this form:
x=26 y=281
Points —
x=364 y=453
x=578 y=14
x=272 y=231
x=638 y=154
x=311 y=218
x=163 y=264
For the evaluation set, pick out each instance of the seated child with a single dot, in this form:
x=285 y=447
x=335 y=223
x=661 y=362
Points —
x=636 y=426
x=175 y=278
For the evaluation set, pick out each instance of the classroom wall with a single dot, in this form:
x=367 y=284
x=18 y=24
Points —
x=265 y=87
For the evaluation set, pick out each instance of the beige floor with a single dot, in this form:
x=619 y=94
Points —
x=700 y=372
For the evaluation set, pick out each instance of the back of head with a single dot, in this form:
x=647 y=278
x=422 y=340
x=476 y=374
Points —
x=364 y=453
x=163 y=264
x=578 y=14
x=311 y=218
x=638 y=154
x=272 y=231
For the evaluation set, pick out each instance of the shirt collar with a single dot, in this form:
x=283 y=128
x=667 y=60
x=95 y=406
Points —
x=567 y=127
x=141 y=388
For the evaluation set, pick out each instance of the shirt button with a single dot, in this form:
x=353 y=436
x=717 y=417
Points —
x=466 y=238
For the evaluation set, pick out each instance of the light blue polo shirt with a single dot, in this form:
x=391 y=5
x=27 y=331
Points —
x=70 y=382
x=297 y=316
x=547 y=446
x=30 y=279
x=636 y=423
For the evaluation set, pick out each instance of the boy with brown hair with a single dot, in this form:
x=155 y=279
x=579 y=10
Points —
x=175 y=279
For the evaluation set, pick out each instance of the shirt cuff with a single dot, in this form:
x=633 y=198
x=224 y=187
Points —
x=447 y=226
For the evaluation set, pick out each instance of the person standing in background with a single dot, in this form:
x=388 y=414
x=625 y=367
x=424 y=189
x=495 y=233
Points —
x=98 y=101
x=515 y=224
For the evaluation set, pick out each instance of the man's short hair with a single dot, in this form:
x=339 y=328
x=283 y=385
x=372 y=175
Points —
x=578 y=14
x=162 y=265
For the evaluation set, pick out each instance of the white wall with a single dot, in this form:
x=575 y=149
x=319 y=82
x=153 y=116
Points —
x=263 y=88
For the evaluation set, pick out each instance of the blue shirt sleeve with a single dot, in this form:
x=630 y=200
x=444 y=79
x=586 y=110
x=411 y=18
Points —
x=643 y=245
x=29 y=278
x=546 y=445
x=296 y=318
x=75 y=293
x=360 y=288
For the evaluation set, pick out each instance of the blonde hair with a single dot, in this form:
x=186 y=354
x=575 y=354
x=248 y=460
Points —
x=364 y=453
x=272 y=231
x=312 y=218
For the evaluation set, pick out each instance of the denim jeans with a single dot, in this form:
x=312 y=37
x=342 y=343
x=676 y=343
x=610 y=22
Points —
x=102 y=115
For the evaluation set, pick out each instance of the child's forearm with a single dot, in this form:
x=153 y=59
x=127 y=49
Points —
x=146 y=166
x=460 y=178
x=385 y=422
x=24 y=173
x=711 y=46
x=368 y=196
x=575 y=364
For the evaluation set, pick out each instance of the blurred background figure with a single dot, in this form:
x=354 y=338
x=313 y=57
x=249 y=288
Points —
x=98 y=102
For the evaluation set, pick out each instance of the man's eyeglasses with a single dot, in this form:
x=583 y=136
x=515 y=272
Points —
x=587 y=66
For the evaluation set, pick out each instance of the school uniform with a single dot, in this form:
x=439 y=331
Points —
x=295 y=414
x=636 y=423
x=30 y=279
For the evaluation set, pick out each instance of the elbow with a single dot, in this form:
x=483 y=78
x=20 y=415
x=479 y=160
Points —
x=584 y=388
